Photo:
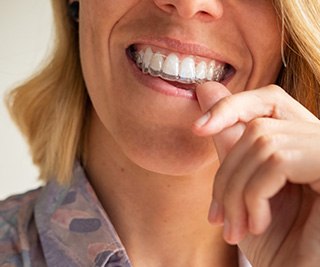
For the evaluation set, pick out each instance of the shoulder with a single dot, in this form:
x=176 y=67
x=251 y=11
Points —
x=16 y=209
x=12 y=203
x=17 y=227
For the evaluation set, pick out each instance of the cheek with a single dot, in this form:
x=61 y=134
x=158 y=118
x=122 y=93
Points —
x=94 y=32
x=269 y=55
x=96 y=27
x=268 y=36
x=263 y=36
x=109 y=11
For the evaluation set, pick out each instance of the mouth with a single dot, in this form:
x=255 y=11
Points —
x=180 y=70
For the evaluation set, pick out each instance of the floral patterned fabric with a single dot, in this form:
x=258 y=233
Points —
x=59 y=226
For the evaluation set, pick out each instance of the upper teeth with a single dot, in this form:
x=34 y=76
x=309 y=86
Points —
x=171 y=68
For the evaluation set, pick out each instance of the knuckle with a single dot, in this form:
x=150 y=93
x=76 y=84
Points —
x=228 y=195
x=233 y=193
x=226 y=102
x=250 y=194
x=277 y=90
x=255 y=127
x=228 y=99
x=278 y=158
x=280 y=97
x=264 y=142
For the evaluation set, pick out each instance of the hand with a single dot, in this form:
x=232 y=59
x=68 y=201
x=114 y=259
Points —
x=267 y=188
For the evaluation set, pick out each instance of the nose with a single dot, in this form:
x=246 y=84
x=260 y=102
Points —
x=188 y=9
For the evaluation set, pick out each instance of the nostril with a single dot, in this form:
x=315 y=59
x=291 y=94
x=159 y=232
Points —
x=187 y=9
x=169 y=8
x=203 y=15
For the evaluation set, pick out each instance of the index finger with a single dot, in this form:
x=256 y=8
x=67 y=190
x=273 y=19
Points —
x=270 y=101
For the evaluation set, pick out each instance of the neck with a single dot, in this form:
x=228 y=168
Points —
x=157 y=217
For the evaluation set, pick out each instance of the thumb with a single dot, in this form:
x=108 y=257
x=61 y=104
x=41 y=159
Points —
x=208 y=95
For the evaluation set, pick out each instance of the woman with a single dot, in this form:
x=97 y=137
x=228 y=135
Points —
x=143 y=106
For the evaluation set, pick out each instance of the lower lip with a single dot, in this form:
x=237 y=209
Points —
x=161 y=86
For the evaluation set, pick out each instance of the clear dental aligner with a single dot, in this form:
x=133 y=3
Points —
x=171 y=68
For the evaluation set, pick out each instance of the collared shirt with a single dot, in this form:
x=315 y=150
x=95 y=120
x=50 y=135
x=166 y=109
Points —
x=58 y=226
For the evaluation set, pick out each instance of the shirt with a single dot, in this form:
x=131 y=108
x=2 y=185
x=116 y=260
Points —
x=60 y=226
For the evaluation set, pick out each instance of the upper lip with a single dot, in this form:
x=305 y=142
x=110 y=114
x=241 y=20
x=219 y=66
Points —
x=175 y=45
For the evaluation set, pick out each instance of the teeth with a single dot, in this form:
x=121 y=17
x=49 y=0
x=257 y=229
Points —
x=147 y=59
x=218 y=73
x=139 y=58
x=210 y=72
x=170 y=68
x=201 y=70
x=187 y=70
x=156 y=63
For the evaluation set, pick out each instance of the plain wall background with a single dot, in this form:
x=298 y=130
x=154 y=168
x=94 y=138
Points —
x=26 y=33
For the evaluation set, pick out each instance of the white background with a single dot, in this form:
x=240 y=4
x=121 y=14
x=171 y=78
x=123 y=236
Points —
x=25 y=36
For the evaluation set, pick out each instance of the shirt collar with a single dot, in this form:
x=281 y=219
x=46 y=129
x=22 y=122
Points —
x=73 y=227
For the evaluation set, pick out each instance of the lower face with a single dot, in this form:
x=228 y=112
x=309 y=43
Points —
x=149 y=118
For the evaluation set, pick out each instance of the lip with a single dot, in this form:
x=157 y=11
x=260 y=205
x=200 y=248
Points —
x=174 y=45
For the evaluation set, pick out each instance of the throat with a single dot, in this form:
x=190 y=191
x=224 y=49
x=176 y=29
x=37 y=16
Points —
x=204 y=255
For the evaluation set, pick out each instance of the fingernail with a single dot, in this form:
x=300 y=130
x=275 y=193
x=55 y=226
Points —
x=203 y=120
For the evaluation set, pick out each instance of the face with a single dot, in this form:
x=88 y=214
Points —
x=148 y=119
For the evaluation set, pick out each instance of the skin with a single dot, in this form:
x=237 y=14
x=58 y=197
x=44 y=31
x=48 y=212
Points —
x=152 y=166
x=266 y=191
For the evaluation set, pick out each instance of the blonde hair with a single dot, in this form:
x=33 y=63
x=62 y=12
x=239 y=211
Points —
x=51 y=108
x=301 y=77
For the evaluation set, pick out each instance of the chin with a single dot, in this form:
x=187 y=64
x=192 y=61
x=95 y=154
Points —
x=179 y=169
x=173 y=160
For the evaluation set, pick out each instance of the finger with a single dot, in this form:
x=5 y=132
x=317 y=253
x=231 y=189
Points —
x=270 y=101
x=209 y=94
x=236 y=158
x=271 y=132
x=255 y=146
x=233 y=175
x=223 y=175
x=232 y=187
x=225 y=140
x=229 y=164
x=223 y=143
x=266 y=182
x=235 y=217
x=311 y=236
x=292 y=158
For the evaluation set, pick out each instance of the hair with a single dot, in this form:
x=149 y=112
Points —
x=52 y=107
x=301 y=76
